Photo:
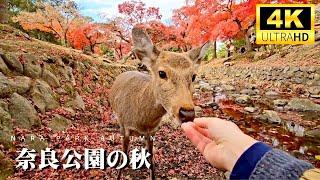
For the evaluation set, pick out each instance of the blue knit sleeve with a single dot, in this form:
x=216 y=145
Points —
x=262 y=162
x=277 y=164
x=248 y=161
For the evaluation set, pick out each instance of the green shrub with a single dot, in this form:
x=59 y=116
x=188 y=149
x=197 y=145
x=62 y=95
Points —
x=106 y=51
x=222 y=51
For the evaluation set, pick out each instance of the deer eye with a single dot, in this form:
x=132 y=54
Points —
x=194 y=77
x=162 y=75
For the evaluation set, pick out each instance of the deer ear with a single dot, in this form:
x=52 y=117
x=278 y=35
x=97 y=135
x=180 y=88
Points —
x=143 y=47
x=198 y=53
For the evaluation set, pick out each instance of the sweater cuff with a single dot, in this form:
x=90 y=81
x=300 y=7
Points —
x=248 y=161
x=277 y=164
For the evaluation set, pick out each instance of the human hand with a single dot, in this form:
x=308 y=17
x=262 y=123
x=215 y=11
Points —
x=220 y=141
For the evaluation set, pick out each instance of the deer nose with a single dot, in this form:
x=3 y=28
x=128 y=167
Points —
x=186 y=115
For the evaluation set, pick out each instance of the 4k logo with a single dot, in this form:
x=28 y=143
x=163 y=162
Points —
x=285 y=23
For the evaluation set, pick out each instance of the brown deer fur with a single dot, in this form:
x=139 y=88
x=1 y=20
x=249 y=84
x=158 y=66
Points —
x=140 y=100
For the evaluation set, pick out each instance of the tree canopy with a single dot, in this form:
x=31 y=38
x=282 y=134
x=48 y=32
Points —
x=198 y=21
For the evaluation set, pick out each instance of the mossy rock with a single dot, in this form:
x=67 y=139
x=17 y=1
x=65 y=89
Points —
x=32 y=67
x=6 y=166
x=59 y=123
x=43 y=96
x=50 y=78
x=314 y=134
x=34 y=142
x=5 y=138
x=3 y=67
x=5 y=119
x=303 y=105
x=13 y=63
x=6 y=86
x=23 y=112
x=4 y=105
x=22 y=84
x=77 y=102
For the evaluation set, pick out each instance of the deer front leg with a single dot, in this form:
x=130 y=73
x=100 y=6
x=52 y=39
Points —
x=125 y=146
x=149 y=144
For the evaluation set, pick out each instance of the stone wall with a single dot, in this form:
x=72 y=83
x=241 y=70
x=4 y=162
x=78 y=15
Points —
x=34 y=83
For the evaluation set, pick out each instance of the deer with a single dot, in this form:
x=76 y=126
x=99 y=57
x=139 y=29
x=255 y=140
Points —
x=140 y=100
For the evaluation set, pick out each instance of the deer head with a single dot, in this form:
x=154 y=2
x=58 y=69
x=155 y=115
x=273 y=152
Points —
x=172 y=74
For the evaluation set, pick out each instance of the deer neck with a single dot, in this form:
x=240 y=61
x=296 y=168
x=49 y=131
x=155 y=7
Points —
x=156 y=109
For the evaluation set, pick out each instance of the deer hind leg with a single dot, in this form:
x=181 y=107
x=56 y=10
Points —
x=125 y=132
x=149 y=146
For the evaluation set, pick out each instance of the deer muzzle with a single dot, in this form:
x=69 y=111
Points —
x=186 y=115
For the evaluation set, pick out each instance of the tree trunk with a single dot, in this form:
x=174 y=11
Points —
x=214 y=49
x=92 y=47
x=120 y=50
x=65 y=40
x=4 y=11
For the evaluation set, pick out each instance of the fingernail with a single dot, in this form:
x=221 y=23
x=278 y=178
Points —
x=185 y=125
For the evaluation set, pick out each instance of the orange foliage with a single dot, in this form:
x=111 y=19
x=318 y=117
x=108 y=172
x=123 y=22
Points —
x=89 y=35
x=193 y=24
x=57 y=20
x=204 y=20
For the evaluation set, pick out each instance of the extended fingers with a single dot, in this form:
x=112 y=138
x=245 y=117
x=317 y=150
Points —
x=197 y=138
x=203 y=131
x=211 y=122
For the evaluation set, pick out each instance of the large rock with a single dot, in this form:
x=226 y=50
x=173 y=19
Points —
x=70 y=75
x=6 y=86
x=3 y=67
x=50 y=78
x=315 y=134
x=271 y=116
x=23 y=112
x=6 y=166
x=31 y=67
x=314 y=90
x=77 y=103
x=243 y=99
x=13 y=62
x=59 y=123
x=22 y=84
x=271 y=93
x=5 y=138
x=5 y=119
x=34 y=142
x=303 y=105
x=4 y=105
x=19 y=84
x=65 y=73
x=250 y=92
x=42 y=96
x=280 y=102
